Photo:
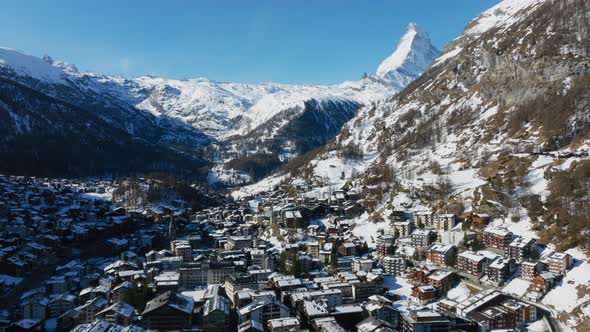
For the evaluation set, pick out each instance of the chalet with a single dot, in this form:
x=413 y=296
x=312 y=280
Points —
x=497 y=237
x=86 y=312
x=26 y=324
x=520 y=249
x=309 y=310
x=61 y=304
x=238 y=281
x=440 y=254
x=543 y=282
x=528 y=270
x=120 y=313
x=238 y=242
x=348 y=315
x=443 y=281
x=382 y=308
x=394 y=265
x=372 y=324
x=345 y=288
x=424 y=294
x=403 y=228
x=119 y=292
x=261 y=310
x=424 y=320
x=313 y=249
x=327 y=323
x=286 y=324
x=347 y=249
x=494 y=318
x=418 y=275
x=385 y=245
x=352 y=195
x=444 y=222
x=318 y=210
x=472 y=263
x=361 y=291
x=498 y=271
x=34 y=308
x=360 y=264
x=168 y=311
x=332 y=297
x=216 y=314
x=480 y=219
x=292 y=218
x=559 y=263
x=525 y=312
x=422 y=238
x=352 y=209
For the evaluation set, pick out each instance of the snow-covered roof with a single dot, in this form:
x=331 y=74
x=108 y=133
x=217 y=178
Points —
x=472 y=256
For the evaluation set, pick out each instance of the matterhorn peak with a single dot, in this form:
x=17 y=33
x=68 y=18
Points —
x=413 y=55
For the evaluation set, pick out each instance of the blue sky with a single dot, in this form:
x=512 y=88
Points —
x=290 y=41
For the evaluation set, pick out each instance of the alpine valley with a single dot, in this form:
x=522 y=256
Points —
x=482 y=149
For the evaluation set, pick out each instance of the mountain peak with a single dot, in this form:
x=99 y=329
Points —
x=413 y=27
x=413 y=55
x=26 y=65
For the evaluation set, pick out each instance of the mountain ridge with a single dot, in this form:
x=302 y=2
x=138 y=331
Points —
x=220 y=109
x=223 y=121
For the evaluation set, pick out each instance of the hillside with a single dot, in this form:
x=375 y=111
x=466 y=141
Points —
x=68 y=140
x=497 y=125
x=480 y=120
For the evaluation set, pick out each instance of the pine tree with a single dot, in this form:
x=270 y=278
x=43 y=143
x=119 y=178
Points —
x=451 y=260
x=477 y=245
x=283 y=263
x=334 y=260
x=295 y=266
x=365 y=248
x=172 y=228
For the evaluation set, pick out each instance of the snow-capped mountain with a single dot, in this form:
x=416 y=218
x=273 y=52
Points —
x=223 y=109
x=413 y=54
x=52 y=116
x=278 y=119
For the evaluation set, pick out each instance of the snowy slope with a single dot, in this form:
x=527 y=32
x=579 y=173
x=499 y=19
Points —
x=501 y=16
x=30 y=66
x=485 y=129
x=465 y=123
x=224 y=109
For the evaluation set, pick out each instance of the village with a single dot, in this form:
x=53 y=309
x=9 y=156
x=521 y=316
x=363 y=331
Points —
x=73 y=258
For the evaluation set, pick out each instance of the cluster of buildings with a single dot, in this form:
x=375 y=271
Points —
x=273 y=263
x=42 y=219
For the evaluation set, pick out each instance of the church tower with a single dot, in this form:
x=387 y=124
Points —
x=172 y=228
